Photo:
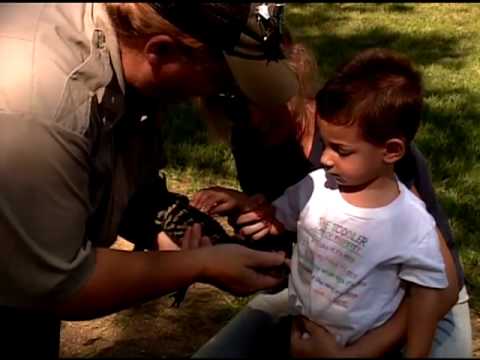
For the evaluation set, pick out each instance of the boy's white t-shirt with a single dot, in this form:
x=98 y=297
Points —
x=349 y=262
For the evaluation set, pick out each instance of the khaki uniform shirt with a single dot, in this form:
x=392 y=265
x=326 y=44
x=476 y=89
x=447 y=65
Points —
x=68 y=161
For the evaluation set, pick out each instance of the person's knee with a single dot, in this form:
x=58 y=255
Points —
x=243 y=336
x=453 y=337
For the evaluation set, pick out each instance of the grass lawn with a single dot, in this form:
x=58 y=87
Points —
x=443 y=40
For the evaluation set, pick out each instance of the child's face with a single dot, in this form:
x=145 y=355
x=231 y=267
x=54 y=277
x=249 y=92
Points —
x=348 y=157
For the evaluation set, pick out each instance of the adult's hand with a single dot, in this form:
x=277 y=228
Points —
x=228 y=271
x=122 y=278
x=240 y=270
x=308 y=339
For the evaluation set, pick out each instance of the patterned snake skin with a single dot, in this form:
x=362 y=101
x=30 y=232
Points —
x=176 y=215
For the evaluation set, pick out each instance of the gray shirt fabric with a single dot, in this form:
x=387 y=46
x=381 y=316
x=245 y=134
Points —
x=65 y=173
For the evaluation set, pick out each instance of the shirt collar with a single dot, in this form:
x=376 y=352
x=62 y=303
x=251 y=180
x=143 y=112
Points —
x=101 y=21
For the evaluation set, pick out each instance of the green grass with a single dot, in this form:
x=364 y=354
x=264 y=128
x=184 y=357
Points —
x=444 y=41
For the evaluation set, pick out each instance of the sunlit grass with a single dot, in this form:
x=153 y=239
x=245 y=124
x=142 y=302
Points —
x=444 y=41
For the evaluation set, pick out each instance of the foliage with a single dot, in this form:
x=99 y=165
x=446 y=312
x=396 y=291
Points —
x=443 y=40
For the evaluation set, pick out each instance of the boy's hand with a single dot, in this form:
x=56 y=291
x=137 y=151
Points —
x=259 y=220
x=219 y=200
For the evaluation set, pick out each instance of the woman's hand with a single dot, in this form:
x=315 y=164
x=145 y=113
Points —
x=231 y=267
x=219 y=200
x=308 y=339
x=192 y=239
x=240 y=270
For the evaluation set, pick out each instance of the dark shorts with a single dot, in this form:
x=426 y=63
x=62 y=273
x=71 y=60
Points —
x=28 y=334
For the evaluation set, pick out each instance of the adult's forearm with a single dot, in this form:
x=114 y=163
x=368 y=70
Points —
x=393 y=333
x=123 y=279
x=422 y=320
x=383 y=339
x=448 y=296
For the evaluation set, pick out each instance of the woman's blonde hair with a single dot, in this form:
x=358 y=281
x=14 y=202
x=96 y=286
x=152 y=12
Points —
x=141 y=20
x=304 y=63
x=301 y=106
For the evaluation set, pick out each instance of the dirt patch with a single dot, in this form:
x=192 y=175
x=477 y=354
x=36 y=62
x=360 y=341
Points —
x=154 y=329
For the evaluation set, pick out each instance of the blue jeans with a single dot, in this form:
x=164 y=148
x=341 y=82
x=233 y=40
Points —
x=249 y=333
x=453 y=337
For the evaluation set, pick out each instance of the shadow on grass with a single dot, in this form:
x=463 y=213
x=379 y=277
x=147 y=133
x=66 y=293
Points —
x=314 y=14
x=449 y=136
x=450 y=133
x=156 y=330
x=448 y=140
x=188 y=145
x=333 y=50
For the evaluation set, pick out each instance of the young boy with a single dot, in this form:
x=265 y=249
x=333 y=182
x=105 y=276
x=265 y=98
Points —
x=360 y=232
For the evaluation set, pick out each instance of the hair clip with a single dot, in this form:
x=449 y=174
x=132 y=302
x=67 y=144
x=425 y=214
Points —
x=270 y=20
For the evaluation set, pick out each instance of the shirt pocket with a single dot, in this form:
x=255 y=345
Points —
x=81 y=85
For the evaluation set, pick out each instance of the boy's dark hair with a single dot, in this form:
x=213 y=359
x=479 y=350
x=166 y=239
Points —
x=379 y=90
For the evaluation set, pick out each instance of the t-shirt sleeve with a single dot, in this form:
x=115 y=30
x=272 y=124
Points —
x=424 y=265
x=44 y=207
x=289 y=205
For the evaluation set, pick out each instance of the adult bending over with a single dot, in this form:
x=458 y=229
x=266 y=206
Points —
x=80 y=89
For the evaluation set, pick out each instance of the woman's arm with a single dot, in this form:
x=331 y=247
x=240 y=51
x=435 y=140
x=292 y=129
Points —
x=422 y=320
x=449 y=294
x=121 y=279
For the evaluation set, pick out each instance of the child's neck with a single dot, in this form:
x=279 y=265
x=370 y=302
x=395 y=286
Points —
x=378 y=192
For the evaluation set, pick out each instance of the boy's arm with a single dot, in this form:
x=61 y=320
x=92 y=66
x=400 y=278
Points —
x=282 y=214
x=220 y=200
x=260 y=222
x=257 y=215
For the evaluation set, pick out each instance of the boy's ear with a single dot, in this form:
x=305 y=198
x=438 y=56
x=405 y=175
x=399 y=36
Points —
x=394 y=150
x=159 y=49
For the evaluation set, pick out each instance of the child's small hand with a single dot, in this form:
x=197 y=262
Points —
x=259 y=219
x=219 y=200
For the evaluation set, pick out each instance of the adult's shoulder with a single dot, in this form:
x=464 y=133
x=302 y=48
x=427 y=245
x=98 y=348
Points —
x=45 y=45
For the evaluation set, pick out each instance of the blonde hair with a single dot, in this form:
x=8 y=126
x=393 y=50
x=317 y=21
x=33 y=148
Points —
x=303 y=62
x=141 y=20
x=301 y=106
